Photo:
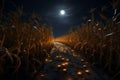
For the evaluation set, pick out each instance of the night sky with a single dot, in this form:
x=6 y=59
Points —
x=49 y=11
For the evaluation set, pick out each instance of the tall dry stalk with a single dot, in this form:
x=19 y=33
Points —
x=24 y=45
x=98 y=41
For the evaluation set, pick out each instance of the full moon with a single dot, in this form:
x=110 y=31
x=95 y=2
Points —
x=62 y=12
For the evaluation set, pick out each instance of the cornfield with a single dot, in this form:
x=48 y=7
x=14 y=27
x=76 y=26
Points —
x=98 y=41
x=24 y=45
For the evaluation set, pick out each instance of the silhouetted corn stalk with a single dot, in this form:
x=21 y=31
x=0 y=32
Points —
x=24 y=46
x=98 y=41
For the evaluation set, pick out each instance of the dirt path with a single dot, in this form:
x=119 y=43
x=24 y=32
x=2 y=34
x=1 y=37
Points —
x=64 y=64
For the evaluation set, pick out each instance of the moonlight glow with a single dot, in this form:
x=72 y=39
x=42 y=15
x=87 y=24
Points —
x=62 y=12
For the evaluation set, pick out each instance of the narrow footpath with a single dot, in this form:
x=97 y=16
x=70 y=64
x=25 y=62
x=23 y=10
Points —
x=64 y=64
